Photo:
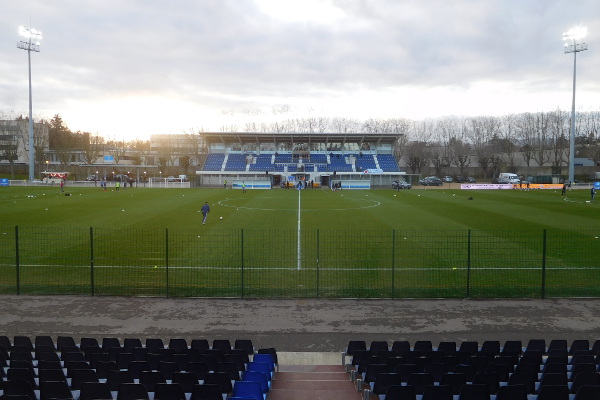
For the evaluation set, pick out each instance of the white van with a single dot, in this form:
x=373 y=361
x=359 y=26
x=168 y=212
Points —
x=512 y=178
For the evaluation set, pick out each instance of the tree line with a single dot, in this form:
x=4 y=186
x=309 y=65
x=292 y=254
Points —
x=491 y=143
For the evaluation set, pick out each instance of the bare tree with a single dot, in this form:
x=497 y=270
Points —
x=140 y=151
x=399 y=146
x=40 y=143
x=559 y=142
x=508 y=141
x=11 y=148
x=460 y=154
x=194 y=146
x=590 y=148
x=345 y=125
x=417 y=156
x=61 y=140
x=438 y=158
x=92 y=147
x=117 y=149
x=524 y=131
x=481 y=130
x=540 y=139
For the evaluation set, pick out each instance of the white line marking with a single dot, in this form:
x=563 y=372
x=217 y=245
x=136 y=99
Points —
x=299 y=259
x=323 y=268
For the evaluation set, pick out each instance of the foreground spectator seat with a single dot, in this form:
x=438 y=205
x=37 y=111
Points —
x=259 y=377
x=80 y=376
x=512 y=347
x=88 y=342
x=95 y=391
x=579 y=344
x=490 y=347
x=18 y=388
x=244 y=344
x=44 y=341
x=55 y=390
x=437 y=392
x=419 y=380
x=186 y=380
x=265 y=358
x=512 y=392
x=449 y=348
x=109 y=343
x=221 y=379
x=178 y=345
x=116 y=378
x=131 y=343
x=536 y=345
x=169 y=391
x=150 y=379
x=197 y=367
x=384 y=380
x=398 y=392
x=474 y=392
x=588 y=393
x=585 y=379
x=154 y=344
x=206 y=392
x=22 y=374
x=45 y=375
x=553 y=392
x=23 y=341
x=248 y=389
x=454 y=380
x=132 y=391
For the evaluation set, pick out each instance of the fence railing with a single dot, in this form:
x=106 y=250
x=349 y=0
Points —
x=315 y=263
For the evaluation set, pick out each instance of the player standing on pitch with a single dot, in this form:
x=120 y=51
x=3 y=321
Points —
x=205 y=210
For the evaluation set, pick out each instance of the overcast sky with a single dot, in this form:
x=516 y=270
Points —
x=131 y=68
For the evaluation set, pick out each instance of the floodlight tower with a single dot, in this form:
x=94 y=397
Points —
x=30 y=34
x=574 y=45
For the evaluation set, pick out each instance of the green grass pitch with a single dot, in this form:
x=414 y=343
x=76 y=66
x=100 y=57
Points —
x=282 y=242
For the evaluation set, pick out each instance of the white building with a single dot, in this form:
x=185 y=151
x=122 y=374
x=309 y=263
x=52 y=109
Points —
x=14 y=140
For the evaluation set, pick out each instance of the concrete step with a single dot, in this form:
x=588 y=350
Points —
x=313 y=382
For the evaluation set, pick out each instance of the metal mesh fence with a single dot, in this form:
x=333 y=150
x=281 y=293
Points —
x=288 y=263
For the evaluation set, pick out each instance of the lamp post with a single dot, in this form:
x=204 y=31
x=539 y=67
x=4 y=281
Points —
x=572 y=45
x=30 y=34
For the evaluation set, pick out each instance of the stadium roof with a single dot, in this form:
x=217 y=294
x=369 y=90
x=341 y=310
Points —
x=256 y=137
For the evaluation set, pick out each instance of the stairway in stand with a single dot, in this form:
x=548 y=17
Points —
x=313 y=382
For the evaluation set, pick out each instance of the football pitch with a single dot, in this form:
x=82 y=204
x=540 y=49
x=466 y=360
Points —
x=309 y=243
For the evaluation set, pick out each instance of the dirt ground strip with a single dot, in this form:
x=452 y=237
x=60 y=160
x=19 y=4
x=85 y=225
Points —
x=301 y=325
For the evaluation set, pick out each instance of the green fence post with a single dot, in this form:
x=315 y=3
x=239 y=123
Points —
x=393 y=260
x=468 y=263
x=544 y=266
x=318 y=293
x=167 y=259
x=242 y=260
x=92 y=261
x=17 y=260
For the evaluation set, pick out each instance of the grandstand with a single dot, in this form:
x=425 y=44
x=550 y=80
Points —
x=286 y=158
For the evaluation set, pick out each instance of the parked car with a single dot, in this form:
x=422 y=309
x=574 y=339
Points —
x=431 y=181
x=447 y=179
x=463 y=179
x=401 y=185
x=501 y=181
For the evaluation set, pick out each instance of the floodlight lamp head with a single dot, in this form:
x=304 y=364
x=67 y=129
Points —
x=577 y=32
